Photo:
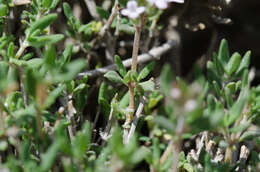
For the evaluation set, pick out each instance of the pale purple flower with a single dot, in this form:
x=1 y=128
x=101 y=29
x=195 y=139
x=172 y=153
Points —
x=132 y=10
x=163 y=4
x=190 y=105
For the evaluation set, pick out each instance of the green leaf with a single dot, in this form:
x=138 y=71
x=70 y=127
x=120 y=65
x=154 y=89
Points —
x=54 y=4
x=156 y=152
x=30 y=82
x=102 y=13
x=71 y=70
x=244 y=64
x=81 y=142
x=228 y=97
x=165 y=123
x=223 y=53
x=233 y=63
x=53 y=95
x=147 y=85
x=212 y=76
x=103 y=98
x=10 y=51
x=236 y=110
x=146 y=71
x=3 y=10
x=114 y=77
x=240 y=128
x=127 y=77
x=35 y=62
x=49 y=157
x=40 y=41
x=67 y=10
x=140 y=154
x=65 y=58
x=120 y=67
x=166 y=79
x=50 y=56
x=249 y=135
x=42 y=23
x=46 y=3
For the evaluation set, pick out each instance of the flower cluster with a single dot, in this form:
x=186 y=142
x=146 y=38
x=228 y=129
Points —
x=133 y=10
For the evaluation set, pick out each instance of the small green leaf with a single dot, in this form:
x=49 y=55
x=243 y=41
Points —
x=223 y=53
x=114 y=77
x=103 y=13
x=244 y=64
x=228 y=97
x=147 y=85
x=72 y=69
x=232 y=87
x=42 y=23
x=65 y=58
x=40 y=41
x=103 y=99
x=127 y=77
x=236 y=110
x=3 y=10
x=67 y=10
x=10 y=51
x=53 y=95
x=50 y=56
x=166 y=79
x=240 y=128
x=35 y=62
x=49 y=157
x=249 y=135
x=233 y=63
x=165 y=123
x=146 y=71
x=120 y=67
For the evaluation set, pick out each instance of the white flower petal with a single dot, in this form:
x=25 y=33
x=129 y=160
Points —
x=161 y=4
x=140 y=10
x=133 y=15
x=131 y=5
x=177 y=1
x=125 y=12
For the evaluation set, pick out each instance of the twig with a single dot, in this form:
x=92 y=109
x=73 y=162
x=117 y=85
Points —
x=70 y=117
x=91 y=5
x=131 y=85
x=105 y=135
x=136 y=118
x=110 y=19
x=153 y=54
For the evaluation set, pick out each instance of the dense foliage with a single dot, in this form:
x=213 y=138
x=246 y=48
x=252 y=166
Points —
x=54 y=118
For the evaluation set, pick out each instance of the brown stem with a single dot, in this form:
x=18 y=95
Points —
x=131 y=84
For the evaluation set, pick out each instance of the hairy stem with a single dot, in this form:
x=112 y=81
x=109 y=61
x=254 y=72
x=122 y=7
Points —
x=131 y=84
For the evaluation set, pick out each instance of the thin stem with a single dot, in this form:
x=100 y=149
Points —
x=137 y=116
x=131 y=84
x=21 y=50
x=110 y=19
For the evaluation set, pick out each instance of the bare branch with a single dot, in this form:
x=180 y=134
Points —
x=91 y=5
x=153 y=54
x=136 y=118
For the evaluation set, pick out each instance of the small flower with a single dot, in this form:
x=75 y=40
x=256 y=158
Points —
x=190 y=105
x=132 y=10
x=175 y=93
x=163 y=4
